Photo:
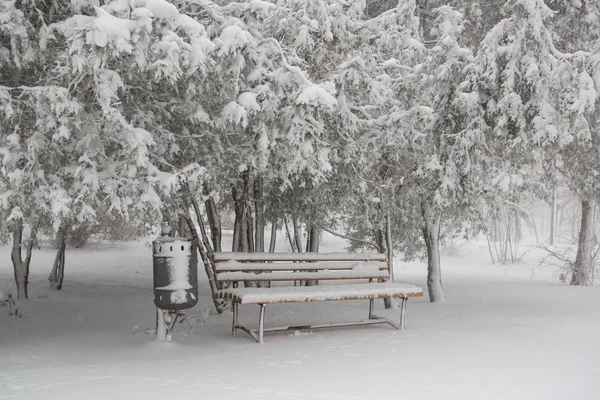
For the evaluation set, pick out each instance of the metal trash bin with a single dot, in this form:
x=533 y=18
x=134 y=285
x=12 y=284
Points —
x=175 y=270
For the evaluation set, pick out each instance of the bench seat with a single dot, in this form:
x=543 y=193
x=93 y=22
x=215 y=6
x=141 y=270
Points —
x=296 y=294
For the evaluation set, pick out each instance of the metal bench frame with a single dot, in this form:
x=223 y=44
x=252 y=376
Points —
x=258 y=334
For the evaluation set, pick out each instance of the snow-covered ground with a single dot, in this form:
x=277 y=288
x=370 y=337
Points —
x=506 y=332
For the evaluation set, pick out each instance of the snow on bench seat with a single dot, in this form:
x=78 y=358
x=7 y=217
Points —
x=320 y=293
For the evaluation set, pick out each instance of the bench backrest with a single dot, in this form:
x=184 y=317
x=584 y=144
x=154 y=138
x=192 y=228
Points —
x=234 y=267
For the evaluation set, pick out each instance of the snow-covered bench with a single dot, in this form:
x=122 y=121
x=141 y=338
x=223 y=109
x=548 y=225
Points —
x=343 y=273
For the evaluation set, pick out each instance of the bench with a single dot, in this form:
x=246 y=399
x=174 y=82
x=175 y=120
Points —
x=348 y=276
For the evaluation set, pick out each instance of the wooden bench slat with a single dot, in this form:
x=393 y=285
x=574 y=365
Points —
x=320 y=293
x=293 y=276
x=230 y=266
x=224 y=256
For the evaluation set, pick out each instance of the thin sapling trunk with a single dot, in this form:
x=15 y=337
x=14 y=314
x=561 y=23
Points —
x=214 y=223
x=273 y=239
x=20 y=266
x=58 y=269
x=431 y=234
x=582 y=270
x=259 y=216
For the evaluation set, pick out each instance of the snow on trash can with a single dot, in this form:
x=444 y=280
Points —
x=175 y=268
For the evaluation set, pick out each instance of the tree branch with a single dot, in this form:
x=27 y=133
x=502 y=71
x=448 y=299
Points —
x=334 y=233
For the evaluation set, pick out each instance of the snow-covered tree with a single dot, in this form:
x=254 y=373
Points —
x=577 y=31
x=538 y=100
x=418 y=129
x=39 y=115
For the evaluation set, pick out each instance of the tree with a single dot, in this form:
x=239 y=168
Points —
x=537 y=101
x=39 y=115
x=577 y=25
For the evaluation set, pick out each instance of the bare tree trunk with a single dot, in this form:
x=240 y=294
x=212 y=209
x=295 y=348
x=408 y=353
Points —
x=553 y=215
x=207 y=262
x=431 y=234
x=20 y=266
x=244 y=243
x=389 y=252
x=181 y=227
x=58 y=269
x=312 y=245
x=289 y=235
x=308 y=237
x=297 y=233
x=202 y=244
x=237 y=224
x=20 y=269
x=259 y=216
x=582 y=270
x=298 y=242
x=273 y=239
x=241 y=216
x=380 y=240
x=250 y=226
x=389 y=246
x=315 y=236
x=214 y=223
x=200 y=222
x=489 y=240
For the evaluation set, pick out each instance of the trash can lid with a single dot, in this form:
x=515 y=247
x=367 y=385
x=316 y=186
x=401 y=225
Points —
x=171 y=239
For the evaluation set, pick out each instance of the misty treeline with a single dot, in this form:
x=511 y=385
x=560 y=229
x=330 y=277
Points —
x=394 y=124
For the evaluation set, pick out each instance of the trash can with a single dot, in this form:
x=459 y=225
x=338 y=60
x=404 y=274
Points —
x=175 y=270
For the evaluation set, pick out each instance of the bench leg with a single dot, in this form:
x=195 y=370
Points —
x=371 y=308
x=235 y=317
x=403 y=313
x=261 y=323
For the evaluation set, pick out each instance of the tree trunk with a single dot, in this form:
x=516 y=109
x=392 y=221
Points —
x=251 y=227
x=241 y=236
x=20 y=271
x=214 y=223
x=312 y=245
x=259 y=216
x=20 y=266
x=207 y=262
x=582 y=270
x=289 y=235
x=389 y=252
x=553 y=215
x=181 y=227
x=244 y=245
x=431 y=234
x=273 y=239
x=380 y=240
x=237 y=224
x=200 y=222
x=58 y=269
x=297 y=242
x=389 y=247
x=297 y=233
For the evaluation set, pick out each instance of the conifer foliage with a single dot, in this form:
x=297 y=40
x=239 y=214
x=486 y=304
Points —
x=394 y=120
